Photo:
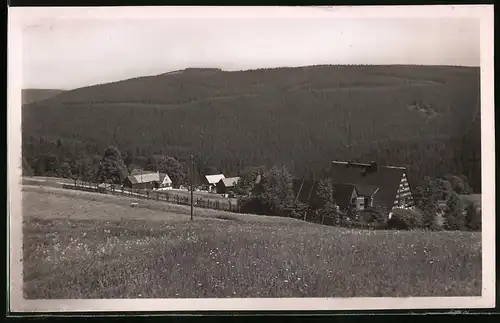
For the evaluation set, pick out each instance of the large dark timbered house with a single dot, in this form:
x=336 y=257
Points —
x=371 y=185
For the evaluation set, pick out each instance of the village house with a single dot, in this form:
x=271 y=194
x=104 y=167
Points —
x=211 y=181
x=371 y=185
x=226 y=185
x=362 y=186
x=147 y=180
x=165 y=181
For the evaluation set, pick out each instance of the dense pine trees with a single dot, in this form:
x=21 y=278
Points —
x=418 y=117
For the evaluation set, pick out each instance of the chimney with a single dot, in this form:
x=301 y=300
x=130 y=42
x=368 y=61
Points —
x=373 y=167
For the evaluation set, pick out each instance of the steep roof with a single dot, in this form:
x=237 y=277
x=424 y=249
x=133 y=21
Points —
x=144 y=178
x=165 y=178
x=305 y=191
x=366 y=190
x=367 y=179
x=230 y=181
x=214 y=179
x=343 y=193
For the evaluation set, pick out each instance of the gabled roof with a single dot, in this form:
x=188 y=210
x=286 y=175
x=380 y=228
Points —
x=229 y=182
x=367 y=179
x=164 y=178
x=305 y=191
x=144 y=178
x=366 y=190
x=214 y=179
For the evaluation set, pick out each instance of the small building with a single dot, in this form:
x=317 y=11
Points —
x=226 y=185
x=345 y=196
x=144 y=180
x=165 y=181
x=211 y=181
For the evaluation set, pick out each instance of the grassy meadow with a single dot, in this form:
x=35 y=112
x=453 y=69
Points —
x=86 y=245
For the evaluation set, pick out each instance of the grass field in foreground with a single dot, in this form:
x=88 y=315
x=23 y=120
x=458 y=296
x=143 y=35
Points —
x=79 y=245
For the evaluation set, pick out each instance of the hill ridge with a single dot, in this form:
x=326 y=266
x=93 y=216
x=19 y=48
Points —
x=302 y=118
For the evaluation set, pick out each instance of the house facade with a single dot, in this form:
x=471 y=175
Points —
x=143 y=180
x=211 y=181
x=165 y=181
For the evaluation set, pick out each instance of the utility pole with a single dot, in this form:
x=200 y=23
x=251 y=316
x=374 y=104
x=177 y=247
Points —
x=192 y=180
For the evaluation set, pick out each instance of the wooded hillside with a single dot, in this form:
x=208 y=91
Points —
x=418 y=116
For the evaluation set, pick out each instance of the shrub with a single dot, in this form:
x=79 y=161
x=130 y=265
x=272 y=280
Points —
x=473 y=217
x=329 y=214
x=455 y=218
x=405 y=219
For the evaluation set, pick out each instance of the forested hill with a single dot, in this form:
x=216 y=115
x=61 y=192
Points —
x=35 y=95
x=418 y=116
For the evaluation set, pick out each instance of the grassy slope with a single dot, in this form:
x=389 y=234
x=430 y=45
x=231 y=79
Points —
x=105 y=249
x=35 y=95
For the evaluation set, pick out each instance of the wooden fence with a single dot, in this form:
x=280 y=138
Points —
x=165 y=196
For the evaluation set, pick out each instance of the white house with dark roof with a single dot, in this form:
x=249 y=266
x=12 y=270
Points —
x=165 y=181
x=143 y=180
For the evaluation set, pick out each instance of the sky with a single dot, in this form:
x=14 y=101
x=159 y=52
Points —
x=68 y=53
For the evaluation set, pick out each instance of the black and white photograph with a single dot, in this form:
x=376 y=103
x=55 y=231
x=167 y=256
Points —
x=251 y=158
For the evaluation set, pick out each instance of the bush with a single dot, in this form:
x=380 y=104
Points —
x=405 y=219
x=455 y=217
x=252 y=205
x=329 y=214
x=473 y=217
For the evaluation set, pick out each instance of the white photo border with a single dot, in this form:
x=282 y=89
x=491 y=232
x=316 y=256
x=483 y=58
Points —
x=18 y=17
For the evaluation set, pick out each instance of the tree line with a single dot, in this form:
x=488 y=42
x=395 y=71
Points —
x=300 y=117
x=274 y=194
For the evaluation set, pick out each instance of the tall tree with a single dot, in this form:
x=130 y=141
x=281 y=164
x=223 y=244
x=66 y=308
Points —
x=174 y=169
x=428 y=196
x=459 y=184
x=112 y=169
x=248 y=176
x=324 y=201
x=64 y=170
x=277 y=189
